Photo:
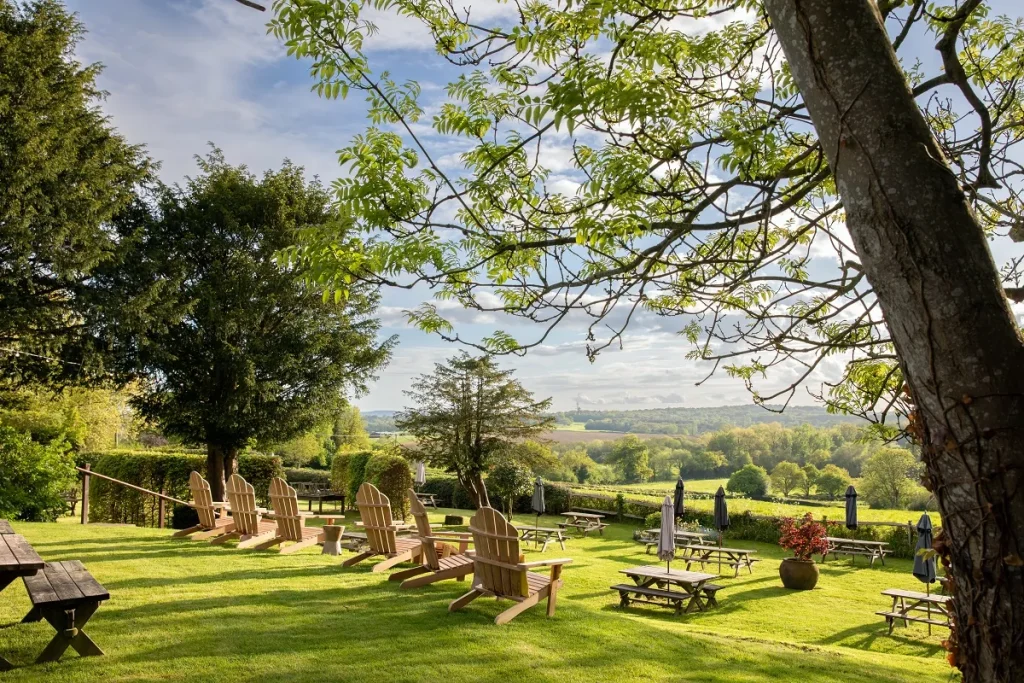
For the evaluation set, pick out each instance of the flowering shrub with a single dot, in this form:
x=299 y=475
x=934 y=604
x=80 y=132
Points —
x=805 y=539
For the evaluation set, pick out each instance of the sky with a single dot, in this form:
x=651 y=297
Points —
x=183 y=74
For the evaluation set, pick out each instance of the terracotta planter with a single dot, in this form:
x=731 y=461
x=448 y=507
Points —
x=798 y=574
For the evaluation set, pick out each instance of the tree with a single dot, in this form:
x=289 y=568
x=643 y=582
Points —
x=811 y=474
x=233 y=348
x=65 y=172
x=631 y=455
x=510 y=479
x=749 y=480
x=890 y=477
x=702 y=189
x=467 y=413
x=35 y=476
x=787 y=476
x=349 y=431
x=832 y=481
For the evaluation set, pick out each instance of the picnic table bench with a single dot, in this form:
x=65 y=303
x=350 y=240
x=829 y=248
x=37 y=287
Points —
x=651 y=537
x=66 y=595
x=907 y=606
x=708 y=554
x=5 y=527
x=652 y=585
x=583 y=522
x=876 y=550
x=428 y=499
x=543 y=533
x=17 y=558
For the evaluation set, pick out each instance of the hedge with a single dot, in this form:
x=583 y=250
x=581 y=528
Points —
x=357 y=472
x=307 y=474
x=339 y=472
x=392 y=475
x=156 y=470
x=450 y=493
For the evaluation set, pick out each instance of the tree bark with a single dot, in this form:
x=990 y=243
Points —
x=221 y=463
x=927 y=259
x=476 y=488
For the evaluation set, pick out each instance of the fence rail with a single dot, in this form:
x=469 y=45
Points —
x=87 y=473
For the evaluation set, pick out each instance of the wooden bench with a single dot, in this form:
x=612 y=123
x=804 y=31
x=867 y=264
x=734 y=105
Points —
x=66 y=595
x=909 y=605
x=652 y=596
x=5 y=527
x=584 y=527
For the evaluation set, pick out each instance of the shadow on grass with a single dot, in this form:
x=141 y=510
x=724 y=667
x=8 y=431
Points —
x=864 y=636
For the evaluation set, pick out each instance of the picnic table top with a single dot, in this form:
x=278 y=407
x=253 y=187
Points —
x=937 y=598
x=853 y=541
x=5 y=527
x=16 y=555
x=584 y=515
x=680 y=532
x=545 y=529
x=64 y=583
x=656 y=572
x=715 y=548
x=425 y=495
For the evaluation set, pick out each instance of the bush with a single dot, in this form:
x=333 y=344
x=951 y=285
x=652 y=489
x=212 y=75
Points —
x=357 y=472
x=156 y=470
x=339 y=471
x=510 y=480
x=921 y=500
x=183 y=517
x=294 y=475
x=652 y=521
x=749 y=480
x=34 y=477
x=557 y=498
x=391 y=474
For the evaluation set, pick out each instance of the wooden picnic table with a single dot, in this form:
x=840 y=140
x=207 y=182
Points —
x=17 y=558
x=876 y=550
x=66 y=595
x=545 y=534
x=428 y=499
x=682 y=538
x=908 y=606
x=653 y=585
x=705 y=554
x=5 y=527
x=583 y=522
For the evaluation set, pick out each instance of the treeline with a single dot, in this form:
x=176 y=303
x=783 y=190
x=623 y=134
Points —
x=695 y=421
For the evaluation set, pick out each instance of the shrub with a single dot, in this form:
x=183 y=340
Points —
x=34 y=477
x=510 y=480
x=652 y=521
x=357 y=472
x=183 y=517
x=804 y=539
x=749 y=480
x=557 y=498
x=921 y=500
x=294 y=475
x=340 y=471
x=391 y=474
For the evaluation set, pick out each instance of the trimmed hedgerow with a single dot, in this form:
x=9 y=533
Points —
x=340 y=472
x=357 y=471
x=294 y=475
x=391 y=474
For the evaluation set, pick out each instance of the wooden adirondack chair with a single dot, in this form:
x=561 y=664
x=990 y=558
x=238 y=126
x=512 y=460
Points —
x=250 y=529
x=441 y=560
x=375 y=511
x=290 y=521
x=210 y=524
x=499 y=569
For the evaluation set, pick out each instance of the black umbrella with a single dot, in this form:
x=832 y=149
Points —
x=678 y=500
x=721 y=519
x=924 y=565
x=537 y=505
x=851 y=507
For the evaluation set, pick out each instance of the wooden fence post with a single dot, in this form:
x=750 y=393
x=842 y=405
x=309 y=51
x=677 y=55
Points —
x=162 y=512
x=85 y=493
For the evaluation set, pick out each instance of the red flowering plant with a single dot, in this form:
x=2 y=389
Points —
x=804 y=539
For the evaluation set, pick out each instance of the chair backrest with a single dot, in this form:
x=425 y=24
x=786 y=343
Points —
x=375 y=511
x=419 y=513
x=242 y=497
x=286 y=510
x=497 y=550
x=202 y=500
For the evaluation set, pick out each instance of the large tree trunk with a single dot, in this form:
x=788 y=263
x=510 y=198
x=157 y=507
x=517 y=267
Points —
x=220 y=465
x=927 y=259
x=476 y=488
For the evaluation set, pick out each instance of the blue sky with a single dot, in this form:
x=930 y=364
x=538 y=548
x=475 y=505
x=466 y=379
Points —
x=184 y=73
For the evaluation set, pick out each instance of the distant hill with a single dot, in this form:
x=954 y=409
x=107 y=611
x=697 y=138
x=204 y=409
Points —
x=700 y=420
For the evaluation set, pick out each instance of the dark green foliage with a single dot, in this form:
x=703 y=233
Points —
x=233 y=347
x=64 y=171
x=510 y=480
x=750 y=480
x=449 y=492
x=357 y=471
x=307 y=474
x=33 y=476
x=183 y=517
x=392 y=475
x=153 y=470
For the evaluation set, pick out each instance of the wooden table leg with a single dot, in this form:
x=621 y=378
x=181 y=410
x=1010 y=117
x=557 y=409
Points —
x=69 y=625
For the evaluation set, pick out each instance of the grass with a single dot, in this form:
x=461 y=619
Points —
x=185 y=610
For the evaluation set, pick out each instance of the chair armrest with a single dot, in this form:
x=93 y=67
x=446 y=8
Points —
x=456 y=535
x=544 y=563
x=442 y=539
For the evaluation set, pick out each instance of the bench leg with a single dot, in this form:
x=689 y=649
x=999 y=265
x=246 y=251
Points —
x=69 y=625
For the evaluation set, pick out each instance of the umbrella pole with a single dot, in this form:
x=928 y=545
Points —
x=928 y=592
x=720 y=551
x=536 y=531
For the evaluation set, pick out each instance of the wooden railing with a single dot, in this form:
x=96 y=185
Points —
x=87 y=473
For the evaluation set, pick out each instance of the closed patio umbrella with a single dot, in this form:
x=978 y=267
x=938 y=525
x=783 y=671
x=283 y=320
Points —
x=421 y=474
x=677 y=502
x=537 y=505
x=924 y=567
x=667 y=537
x=851 y=507
x=721 y=519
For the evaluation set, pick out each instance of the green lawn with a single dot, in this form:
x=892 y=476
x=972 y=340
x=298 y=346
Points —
x=185 y=610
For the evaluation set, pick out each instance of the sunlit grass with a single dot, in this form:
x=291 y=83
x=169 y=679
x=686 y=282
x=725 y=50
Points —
x=185 y=610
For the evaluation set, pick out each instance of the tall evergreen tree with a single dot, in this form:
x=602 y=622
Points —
x=231 y=346
x=467 y=413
